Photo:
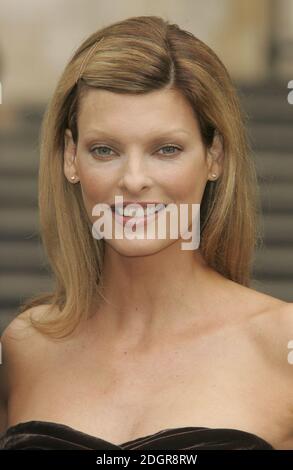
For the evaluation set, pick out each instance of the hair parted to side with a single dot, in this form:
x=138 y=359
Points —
x=139 y=55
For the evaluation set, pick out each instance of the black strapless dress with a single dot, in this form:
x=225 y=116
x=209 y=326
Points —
x=45 y=435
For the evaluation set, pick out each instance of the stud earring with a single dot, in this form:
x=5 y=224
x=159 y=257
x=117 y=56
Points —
x=72 y=177
x=214 y=175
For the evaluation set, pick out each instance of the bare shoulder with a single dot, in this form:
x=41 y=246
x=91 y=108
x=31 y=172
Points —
x=20 y=345
x=273 y=327
x=19 y=331
x=268 y=321
x=270 y=329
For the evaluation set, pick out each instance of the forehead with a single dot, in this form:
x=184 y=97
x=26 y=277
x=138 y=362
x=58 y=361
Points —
x=163 y=109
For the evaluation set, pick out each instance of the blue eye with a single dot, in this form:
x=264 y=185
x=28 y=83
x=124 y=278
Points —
x=104 y=154
x=101 y=147
x=170 y=147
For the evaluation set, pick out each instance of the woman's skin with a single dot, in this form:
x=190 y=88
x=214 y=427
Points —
x=135 y=165
x=177 y=344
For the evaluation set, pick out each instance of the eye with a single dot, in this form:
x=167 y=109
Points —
x=103 y=154
x=170 y=147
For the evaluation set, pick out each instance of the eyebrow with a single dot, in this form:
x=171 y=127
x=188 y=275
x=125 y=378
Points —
x=157 y=135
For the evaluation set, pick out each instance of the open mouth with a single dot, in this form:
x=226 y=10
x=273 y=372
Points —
x=141 y=215
x=138 y=212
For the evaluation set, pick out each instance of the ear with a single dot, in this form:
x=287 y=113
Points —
x=70 y=167
x=215 y=157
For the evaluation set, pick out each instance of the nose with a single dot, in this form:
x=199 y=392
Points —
x=134 y=176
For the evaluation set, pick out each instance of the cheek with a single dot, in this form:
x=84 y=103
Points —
x=188 y=189
x=96 y=187
x=188 y=181
x=94 y=184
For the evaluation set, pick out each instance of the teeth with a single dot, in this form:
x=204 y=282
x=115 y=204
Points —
x=137 y=212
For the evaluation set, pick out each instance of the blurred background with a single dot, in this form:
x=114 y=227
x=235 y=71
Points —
x=37 y=37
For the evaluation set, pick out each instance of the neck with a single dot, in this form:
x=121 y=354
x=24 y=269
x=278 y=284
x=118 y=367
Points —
x=154 y=295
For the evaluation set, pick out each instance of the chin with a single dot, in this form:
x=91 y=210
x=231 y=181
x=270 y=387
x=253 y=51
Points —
x=138 y=247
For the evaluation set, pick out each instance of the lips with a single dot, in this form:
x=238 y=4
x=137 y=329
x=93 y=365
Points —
x=138 y=211
x=139 y=220
x=137 y=204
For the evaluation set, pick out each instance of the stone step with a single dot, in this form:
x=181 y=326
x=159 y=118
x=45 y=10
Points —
x=271 y=137
x=278 y=229
x=274 y=166
x=7 y=314
x=26 y=256
x=279 y=288
x=274 y=262
x=18 y=191
x=19 y=157
x=17 y=224
x=266 y=102
x=277 y=197
x=16 y=287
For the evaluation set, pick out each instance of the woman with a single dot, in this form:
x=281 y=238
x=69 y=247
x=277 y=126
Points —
x=143 y=344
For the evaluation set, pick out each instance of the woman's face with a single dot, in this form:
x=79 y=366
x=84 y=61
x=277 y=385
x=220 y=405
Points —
x=146 y=148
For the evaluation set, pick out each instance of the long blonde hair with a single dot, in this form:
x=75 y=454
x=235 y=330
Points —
x=139 y=55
